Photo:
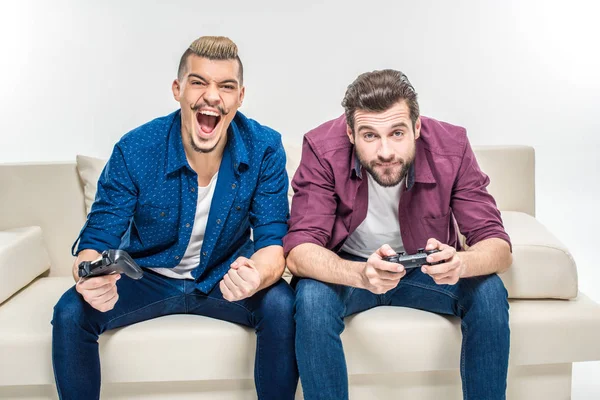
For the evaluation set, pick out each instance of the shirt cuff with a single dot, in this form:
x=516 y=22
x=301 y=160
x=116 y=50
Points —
x=269 y=235
x=297 y=238
x=97 y=240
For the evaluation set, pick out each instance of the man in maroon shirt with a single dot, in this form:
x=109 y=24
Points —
x=379 y=180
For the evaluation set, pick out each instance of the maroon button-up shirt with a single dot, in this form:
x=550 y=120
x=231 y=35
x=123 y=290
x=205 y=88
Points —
x=445 y=191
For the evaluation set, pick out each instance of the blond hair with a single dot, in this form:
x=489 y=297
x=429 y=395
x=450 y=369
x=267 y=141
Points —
x=213 y=48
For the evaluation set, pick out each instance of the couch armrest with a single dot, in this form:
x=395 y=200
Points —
x=542 y=266
x=23 y=257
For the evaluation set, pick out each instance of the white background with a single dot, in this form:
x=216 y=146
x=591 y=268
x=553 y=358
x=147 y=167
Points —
x=76 y=75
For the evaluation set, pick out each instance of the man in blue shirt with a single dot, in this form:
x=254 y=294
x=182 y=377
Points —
x=180 y=194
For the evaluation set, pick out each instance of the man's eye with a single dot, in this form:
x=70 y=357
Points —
x=198 y=83
x=229 y=87
x=369 y=136
x=398 y=133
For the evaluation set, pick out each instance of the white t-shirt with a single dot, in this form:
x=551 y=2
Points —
x=191 y=258
x=381 y=224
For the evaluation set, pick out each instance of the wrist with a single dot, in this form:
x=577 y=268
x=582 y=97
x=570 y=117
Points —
x=356 y=275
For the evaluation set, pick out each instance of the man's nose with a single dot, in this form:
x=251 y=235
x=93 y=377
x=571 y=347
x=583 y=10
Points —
x=385 y=150
x=211 y=95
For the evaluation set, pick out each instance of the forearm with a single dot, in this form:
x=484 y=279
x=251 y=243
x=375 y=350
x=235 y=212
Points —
x=270 y=263
x=309 y=260
x=486 y=257
x=84 y=255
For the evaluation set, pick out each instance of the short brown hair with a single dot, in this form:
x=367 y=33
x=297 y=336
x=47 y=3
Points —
x=377 y=91
x=213 y=48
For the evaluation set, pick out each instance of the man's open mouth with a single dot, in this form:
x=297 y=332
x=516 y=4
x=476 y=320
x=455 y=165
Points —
x=208 y=120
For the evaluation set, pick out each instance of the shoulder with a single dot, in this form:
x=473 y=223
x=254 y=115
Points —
x=442 y=138
x=151 y=135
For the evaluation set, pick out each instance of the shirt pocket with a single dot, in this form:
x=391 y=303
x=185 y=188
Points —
x=437 y=227
x=156 y=225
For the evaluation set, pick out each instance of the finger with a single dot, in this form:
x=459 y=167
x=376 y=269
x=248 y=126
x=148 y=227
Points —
x=227 y=295
x=432 y=244
x=238 y=281
x=445 y=254
x=105 y=302
x=391 y=276
x=231 y=286
x=241 y=261
x=442 y=268
x=99 y=294
x=446 y=279
x=387 y=266
x=248 y=274
x=98 y=281
x=91 y=295
x=385 y=251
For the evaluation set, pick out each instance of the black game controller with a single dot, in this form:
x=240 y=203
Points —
x=410 y=261
x=111 y=262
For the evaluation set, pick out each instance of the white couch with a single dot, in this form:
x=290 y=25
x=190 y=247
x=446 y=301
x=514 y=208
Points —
x=391 y=352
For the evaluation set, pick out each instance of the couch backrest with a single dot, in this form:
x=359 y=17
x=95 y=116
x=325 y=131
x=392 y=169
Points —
x=50 y=195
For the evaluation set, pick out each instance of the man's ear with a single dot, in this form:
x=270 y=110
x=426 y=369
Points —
x=176 y=88
x=242 y=94
x=418 y=128
x=349 y=133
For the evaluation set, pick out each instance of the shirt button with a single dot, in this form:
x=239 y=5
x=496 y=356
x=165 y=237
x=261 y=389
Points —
x=204 y=253
x=238 y=208
x=192 y=190
x=233 y=186
x=162 y=214
x=177 y=257
x=187 y=225
x=218 y=221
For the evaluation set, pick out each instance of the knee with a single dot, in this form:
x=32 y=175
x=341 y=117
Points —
x=69 y=310
x=278 y=302
x=317 y=303
x=488 y=300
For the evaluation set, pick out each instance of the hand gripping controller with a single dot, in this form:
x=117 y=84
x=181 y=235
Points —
x=409 y=261
x=111 y=262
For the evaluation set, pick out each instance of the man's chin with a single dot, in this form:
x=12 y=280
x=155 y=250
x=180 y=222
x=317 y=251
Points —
x=387 y=178
x=204 y=145
x=387 y=181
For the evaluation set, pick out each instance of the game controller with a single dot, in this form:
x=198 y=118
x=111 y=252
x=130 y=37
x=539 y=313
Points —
x=410 y=261
x=111 y=262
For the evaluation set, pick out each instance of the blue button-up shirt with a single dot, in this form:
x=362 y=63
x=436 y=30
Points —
x=147 y=196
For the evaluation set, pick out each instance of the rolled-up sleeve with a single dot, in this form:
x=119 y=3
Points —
x=314 y=203
x=270 y=208
x=475 y=209
x=111 y=213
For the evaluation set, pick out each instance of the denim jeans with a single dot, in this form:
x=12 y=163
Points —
x=76 y=327
x=480 y=302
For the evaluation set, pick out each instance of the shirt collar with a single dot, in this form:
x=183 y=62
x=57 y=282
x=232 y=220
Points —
x=176 y=158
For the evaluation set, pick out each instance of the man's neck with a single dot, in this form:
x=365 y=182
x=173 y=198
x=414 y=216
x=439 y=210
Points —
x=205 y=165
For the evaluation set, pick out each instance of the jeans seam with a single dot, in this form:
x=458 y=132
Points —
x=140 y=309
x=427 y=287
x=462 y=361
x=257 y=366
x=224 y=301
x=56 y=380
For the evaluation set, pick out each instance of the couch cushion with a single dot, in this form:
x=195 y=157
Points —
x=89 y=169
x=23 y=257
x=384 y=339
x=542 y=265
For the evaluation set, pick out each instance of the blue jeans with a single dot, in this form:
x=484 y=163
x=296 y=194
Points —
x=76 y=327
x=480 y=302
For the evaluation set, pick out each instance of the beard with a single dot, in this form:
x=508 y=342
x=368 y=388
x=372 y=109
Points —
x=200 y=150
x=387 y=176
